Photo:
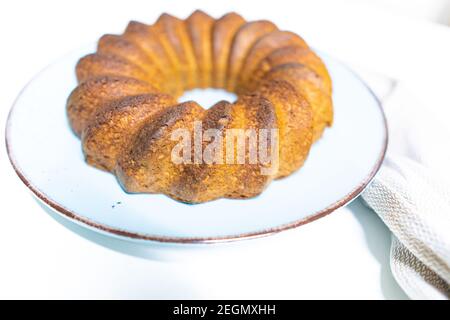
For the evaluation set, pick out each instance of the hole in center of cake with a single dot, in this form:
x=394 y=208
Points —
x=207 y=97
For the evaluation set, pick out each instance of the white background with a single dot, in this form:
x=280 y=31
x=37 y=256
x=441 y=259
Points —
x=344 y=255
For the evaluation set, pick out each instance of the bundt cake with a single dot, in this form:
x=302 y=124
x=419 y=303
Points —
x=126 y=112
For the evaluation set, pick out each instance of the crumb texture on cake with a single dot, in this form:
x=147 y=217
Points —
x=125 y=107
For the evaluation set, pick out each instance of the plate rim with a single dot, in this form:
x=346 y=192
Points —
x=117 y=232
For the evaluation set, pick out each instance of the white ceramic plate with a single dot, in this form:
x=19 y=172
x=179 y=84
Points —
x=47 y=157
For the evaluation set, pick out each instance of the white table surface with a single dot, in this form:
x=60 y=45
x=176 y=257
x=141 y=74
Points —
x=344 y=255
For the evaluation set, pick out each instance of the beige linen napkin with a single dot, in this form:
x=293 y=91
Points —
x=411 y=194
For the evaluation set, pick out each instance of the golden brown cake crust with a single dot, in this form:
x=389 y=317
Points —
x=264 y=46
x=294 y=120
x=244 y=39
x=119 y=46
x=293 y=54
x=253 y=111
x=175 y=37
x=147 y=39
x=110 y=128
x=203 y=181
x=146 y=164
x=95 y=65
x=125 y=107
x=94 y=93
x=199 y=26
x=307 y=84
x=224 y=30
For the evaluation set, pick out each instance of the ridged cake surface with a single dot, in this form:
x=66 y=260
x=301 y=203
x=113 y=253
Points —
x=125 y=107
